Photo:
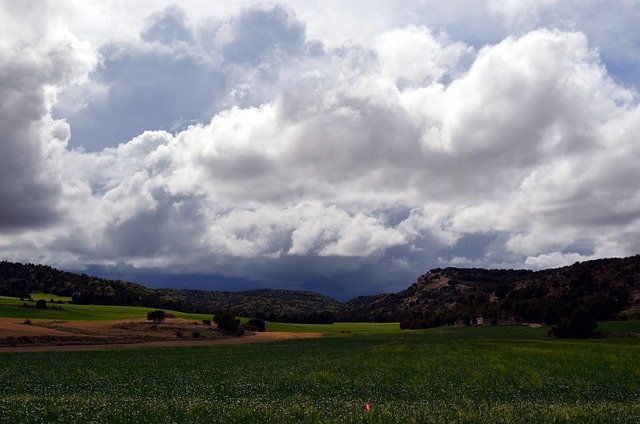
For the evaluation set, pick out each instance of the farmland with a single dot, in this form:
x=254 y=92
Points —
x=485 y=374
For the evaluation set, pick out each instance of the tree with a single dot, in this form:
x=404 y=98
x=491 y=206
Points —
x=156 y=316
x=228 y=323
x=41 y=304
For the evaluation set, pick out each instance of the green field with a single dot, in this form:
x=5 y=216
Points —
x=485 y=374
x=49 y=296
x=10 y=308
x=338 y=327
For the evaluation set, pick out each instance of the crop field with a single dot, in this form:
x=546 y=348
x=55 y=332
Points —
x=338 y=327
x=485 y=374
x=10 y=308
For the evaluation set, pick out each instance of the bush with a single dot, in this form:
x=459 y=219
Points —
x=228 y=323
x=560 y=331
x=195 y=334
x=256 y=324
x=156 y=316
x=27 y=321
x=581 y=324
x=206 y=322
x=41 y=304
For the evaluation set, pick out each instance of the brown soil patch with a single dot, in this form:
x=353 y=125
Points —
x=14 y=327
x=46 y=335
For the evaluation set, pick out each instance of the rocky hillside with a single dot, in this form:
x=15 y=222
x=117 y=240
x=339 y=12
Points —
x=608 y=288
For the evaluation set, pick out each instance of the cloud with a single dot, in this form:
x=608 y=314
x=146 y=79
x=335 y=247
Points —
x=36 y=60
x=168 y=27
x=178 y=73
x=288 y=154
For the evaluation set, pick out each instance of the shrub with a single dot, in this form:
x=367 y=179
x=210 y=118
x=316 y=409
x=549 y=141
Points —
x=581 y=324
x=228 y=323
x=560 y=331
x=41 y=304
x=27 y=321
x=195 y=334
x=256 y=324
x=156 y=316
x=179 y=334
x=206 y=322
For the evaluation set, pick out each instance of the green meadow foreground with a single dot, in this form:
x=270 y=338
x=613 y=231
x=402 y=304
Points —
x=484 y=374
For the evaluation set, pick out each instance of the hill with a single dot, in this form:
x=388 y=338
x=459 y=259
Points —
x=20 y=280
x=608 y=288
x=269 y=304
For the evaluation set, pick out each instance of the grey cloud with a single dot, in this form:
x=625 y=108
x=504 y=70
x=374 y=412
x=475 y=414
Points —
x=168 y=26
x=258 y=34
x=175 y=77
x=35 y=60
x=294 y=178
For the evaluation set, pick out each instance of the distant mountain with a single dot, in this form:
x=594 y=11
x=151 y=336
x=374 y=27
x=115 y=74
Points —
x=608 y=288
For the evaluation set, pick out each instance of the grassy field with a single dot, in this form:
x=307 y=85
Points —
x=49 y=296
x=486 y=375
x=338 y=327
x=10 y=308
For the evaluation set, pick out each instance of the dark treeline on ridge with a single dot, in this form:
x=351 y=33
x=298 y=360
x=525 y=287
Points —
x=608 y=289
x=19 y=280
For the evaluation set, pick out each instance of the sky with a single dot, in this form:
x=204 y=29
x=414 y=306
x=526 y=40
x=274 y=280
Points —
x=340 y=147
